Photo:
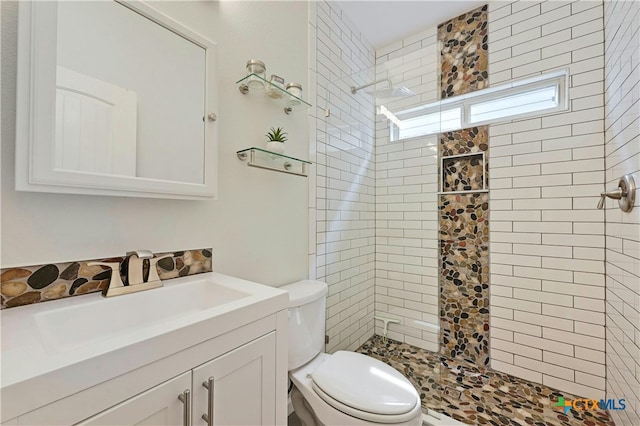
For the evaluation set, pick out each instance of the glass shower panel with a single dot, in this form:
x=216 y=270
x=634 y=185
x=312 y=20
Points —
x=407 y=215
x=346 y=212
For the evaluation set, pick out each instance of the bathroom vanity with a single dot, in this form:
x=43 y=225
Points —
x=207 y=344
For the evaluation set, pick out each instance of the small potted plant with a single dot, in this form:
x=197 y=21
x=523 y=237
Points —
x=276 y=139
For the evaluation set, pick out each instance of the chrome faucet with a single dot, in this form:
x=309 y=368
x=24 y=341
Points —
x=136 y=266
x=139 y=269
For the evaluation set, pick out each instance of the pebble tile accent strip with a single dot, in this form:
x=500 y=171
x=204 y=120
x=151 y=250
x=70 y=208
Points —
x=478 y=396
x=464 y=252
x=39 y=283
x=464 y=60
x=464 y=277
x=464 y=224
x=465 y=141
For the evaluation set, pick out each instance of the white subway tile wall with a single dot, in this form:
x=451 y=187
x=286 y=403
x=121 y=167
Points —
x=622 y=149
x=546 y=236
x=342 y=179
x=373 y=209
x=406 y=200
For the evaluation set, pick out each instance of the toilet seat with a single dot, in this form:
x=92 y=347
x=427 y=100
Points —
x=327 y=410
x=365 y=388
x=364 y=415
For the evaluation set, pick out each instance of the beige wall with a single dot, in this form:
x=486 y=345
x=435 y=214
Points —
x=257 y=227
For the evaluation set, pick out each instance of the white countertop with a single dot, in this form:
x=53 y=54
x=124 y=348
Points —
x=37 y=370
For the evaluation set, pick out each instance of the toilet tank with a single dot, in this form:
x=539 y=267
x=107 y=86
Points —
x=307 y=306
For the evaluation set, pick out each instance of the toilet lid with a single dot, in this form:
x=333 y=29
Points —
x=365 y=384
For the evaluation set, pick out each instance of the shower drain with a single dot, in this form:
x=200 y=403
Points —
x=453 y=393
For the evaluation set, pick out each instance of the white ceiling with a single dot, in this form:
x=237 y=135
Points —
x=384 y=21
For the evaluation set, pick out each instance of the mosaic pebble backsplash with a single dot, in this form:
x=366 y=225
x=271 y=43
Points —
x=478 y=396
x=39 y=283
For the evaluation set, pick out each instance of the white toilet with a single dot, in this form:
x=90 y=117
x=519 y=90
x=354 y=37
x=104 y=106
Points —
x=345 y=388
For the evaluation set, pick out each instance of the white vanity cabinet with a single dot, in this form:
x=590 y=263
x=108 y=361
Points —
x=247 y=389
x=243 y=383
x=158 y=406
x=242 y=393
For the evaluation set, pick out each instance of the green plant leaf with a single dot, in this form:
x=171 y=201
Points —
x=276 y=135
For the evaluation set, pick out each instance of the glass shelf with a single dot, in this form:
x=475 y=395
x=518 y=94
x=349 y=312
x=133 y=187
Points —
x=272 y=92
x=264 y=159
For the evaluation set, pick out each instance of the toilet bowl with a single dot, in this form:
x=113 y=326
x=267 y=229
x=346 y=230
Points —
x=344 y=388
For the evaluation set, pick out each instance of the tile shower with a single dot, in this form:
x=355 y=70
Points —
x=527 y=309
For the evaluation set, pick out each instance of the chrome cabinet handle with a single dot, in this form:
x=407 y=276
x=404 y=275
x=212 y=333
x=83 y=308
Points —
x=185 y=397
x=209 y=416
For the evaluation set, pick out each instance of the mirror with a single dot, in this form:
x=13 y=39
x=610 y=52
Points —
x=114 y=112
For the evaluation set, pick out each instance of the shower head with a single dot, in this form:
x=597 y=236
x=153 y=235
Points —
x=392 y=92
x=389 y=92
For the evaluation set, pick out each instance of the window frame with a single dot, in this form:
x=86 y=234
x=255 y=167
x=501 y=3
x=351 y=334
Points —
x=558 y=79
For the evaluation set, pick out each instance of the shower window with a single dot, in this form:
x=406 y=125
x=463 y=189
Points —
x=517 y=104
x=533 y=96
x=428 y=123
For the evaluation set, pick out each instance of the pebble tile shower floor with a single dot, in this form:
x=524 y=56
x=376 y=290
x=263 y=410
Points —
x=475 y=396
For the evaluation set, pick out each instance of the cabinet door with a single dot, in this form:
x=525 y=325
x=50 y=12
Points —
x=244 y=384
x=157 y=406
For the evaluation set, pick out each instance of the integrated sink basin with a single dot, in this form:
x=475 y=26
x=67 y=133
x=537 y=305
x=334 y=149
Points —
x=56 y=349
x=130 y=313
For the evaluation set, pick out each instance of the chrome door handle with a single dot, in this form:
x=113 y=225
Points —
x=209 y=416
x=185 y=397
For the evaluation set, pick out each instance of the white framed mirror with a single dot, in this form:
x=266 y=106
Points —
x=114 y=98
